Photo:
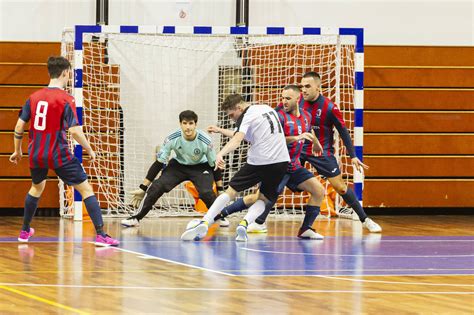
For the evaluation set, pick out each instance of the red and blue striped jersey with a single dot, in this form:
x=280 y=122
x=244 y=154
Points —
x=52 y=112
x=294 y=126
x=324 y=116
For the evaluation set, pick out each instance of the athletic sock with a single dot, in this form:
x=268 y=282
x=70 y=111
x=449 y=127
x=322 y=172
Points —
x=234 y=207
x=311 y=212
x=93 y=208
x=255 y=210
x=351 y=199
x=263 y=217
x=216 y=207
x=31 y=204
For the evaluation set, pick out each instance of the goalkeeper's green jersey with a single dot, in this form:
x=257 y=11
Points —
x=193 y=152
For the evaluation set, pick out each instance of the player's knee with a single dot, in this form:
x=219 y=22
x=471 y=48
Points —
x=339 y=186
x=250 y=199
x=85 y=189
x=231 y=192
x=317 y=192
x=37 y=189
x=341 y=190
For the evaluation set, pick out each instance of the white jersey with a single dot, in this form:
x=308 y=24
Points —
x=263 y=130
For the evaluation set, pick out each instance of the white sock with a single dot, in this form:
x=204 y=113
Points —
x=216 y=207
x=255 y=211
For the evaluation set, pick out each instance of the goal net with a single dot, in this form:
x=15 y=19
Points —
x=134 y=85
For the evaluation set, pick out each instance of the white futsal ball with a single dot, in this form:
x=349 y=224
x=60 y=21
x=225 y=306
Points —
x=192 y=223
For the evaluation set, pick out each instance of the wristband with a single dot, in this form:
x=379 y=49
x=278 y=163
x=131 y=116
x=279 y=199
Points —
x=143 y=187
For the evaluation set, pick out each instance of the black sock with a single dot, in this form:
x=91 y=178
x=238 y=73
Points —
x=310 y=216
x=351 y=199
x=31 y=204
x=234 y=207
x=93 y=208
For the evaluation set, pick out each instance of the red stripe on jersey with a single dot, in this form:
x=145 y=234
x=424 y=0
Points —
x=52 y=144
x=337 y=113
x=58 y=151
x=286 y=129
x=307 y=123
x=295 y=133
x=32 y=149
x=41 y=151
x=68 y=156
x=322 y=122
x=310 y=109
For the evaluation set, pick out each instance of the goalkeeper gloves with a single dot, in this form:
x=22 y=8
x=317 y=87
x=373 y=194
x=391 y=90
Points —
x=137 y=195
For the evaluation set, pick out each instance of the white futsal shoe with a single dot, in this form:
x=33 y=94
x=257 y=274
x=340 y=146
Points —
x=257 y=228
x=223 y=222
x=196 y=232
x=309 y=234
x=242 y=232
x=129 y=222
x=371 y=226
x=346 y=213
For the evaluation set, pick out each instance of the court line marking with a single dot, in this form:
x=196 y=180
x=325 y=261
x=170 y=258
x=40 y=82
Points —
x=262 y=274
x=394 y=282
x=96 y=271
x=146 y=256
x=361 y=275
x=232 y=289
x=233 y=270
x=40 y=299
x=233 y=240
x=349 y=255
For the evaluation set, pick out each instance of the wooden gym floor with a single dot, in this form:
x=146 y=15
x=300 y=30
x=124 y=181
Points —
x=418 y=265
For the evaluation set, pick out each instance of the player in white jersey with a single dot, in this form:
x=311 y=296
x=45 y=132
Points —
x=267 y=162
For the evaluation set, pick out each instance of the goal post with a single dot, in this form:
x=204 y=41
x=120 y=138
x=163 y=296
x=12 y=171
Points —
x=130 y=83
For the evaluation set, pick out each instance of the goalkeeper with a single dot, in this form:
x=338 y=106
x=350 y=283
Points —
x=195 y=160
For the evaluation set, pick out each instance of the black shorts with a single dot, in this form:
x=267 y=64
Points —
x=201 y=175
x=325 y=165
x=72 y=173
x=269 y=175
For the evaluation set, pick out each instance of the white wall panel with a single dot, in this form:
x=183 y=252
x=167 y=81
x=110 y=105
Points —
x=30 y=20
x=389 y=22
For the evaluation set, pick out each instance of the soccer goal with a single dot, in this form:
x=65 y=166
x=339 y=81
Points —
x=131 y=82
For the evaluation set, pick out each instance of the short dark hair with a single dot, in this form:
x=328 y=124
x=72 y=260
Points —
x=231 y=101
x=188 y=115
x=312 y=74
x=56 y=66
x=293 y=87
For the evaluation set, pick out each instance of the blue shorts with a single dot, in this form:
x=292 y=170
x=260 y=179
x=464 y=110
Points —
x=325 y=165
x=293 y=179
x=71 y=173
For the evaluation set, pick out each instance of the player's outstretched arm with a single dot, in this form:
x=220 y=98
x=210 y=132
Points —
x=225 y=132
x=358 y=164
x=303 y=136
x=18 y=137
x=80 y=137
x=229 y=147
x=346 y=139
x=317 y=147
